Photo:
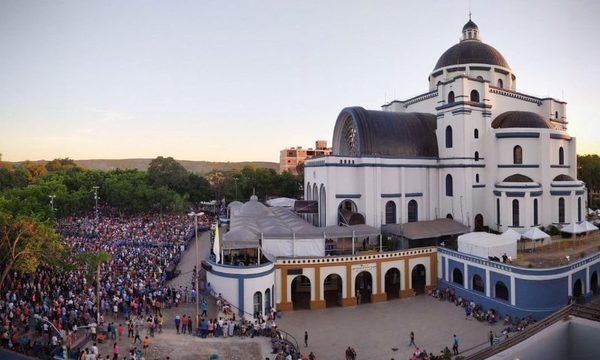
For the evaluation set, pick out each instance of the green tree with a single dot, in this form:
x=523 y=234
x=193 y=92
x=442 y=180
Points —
x=26 y=243
x=168 y=172
x=61 y=165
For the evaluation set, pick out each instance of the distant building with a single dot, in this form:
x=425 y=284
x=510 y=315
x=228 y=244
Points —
x=289 y=158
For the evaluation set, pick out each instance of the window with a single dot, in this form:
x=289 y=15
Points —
x=448 y=137
x=515 y=213
x=457 y=276
x=476 y=178
x=498 y=212
x=517 y=155
x=556 y=114
x=257 y=302
x=480 y=78
x=476 y=155
x=390 y=212
x=450 y=97
x=579 y=209
x=561 y=156
x=476 y=134
x=449 y=190
x=413 y=211
x=535 y=212
x=561 y=210
x=478 y=283
x=474 y=96
x=500 y=83
x=501 y=291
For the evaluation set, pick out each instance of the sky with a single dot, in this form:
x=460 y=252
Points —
x=240 y=80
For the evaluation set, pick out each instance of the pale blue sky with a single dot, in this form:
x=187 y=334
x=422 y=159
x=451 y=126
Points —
x=240 y=80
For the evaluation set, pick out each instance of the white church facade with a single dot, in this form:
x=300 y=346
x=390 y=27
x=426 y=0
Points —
x=472 y=148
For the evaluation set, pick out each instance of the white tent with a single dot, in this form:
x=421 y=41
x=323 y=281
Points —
x=484 y=245
x=512 y=234
x=573 y=229
x=535 y=234
x=588 y=226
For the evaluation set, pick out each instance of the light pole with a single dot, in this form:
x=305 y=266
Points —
x=52 y=197
x=236 y=180
x=59 y=332
x=96 y=198
x=195 y=215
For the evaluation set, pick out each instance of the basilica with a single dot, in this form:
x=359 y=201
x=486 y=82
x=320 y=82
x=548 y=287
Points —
x=473 y=149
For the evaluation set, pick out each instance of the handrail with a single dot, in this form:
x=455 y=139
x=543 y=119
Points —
x=521 y=336
x=293 y=342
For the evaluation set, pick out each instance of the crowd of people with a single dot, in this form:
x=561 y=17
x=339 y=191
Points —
x=40 y=309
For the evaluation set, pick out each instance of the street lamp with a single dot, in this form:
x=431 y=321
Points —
x=195 y=215
x=52 y=197
x=96 y=198
x=236 y=180
x=59 y=332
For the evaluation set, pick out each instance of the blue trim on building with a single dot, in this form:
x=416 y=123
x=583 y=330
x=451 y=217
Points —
x=497 y=193
x=462 y=103
x=518 y=166
x=560 y=166
x=241 y=296
x=566 y=186
x=347 y=196
x=241 y=276
x=476 y=186
x=579 y=192
x=515 y=194
x=536 y=193
x=391 y=195
x=435 y=166
x=416 y=194
x=560 y=193
x=461 y=111
x=514 y=135
x=461 y=158
x=560 y=137
x=518 y=186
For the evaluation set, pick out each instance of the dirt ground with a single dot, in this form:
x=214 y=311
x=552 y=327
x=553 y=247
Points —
x=553 y=252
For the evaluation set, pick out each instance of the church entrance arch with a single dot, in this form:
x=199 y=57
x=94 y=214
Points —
x=392 y=283
x=478 y=222
x=332 y=290
x=418 y=277
x=578 y=290
x=348 y=205
x=594 y=283
x=364 y=287
x=301 y=292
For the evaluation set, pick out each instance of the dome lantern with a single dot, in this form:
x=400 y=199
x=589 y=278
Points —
x=470 y=31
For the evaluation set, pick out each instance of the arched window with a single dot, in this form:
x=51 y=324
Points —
x=501 y=291
x=561 y=210
x=515 y=212
x=480 y=77
x=476 y=178
x=450 y=97
x=579 y=209
x=413 y=211
x=390 y=212
x=449 y=216
x=448 y=136
x=500 y=83
x=449 y=190
x=478 y=283
x=257 y=302
x=476 y=134
x=267 y=301
x=476 y=155
x=457 y=276
x=498 y=212
x=474 y=96
x=535 y=212
x=556 y=114
x=517 y=155
x=561 y=156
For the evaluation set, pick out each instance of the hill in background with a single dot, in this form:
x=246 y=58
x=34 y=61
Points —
x=199 y=167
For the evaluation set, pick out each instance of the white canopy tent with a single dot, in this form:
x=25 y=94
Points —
x=535 y=234
x=573 y=229
x=588 y=226
x=282 y=202
x=512 y=234
x=487 y=245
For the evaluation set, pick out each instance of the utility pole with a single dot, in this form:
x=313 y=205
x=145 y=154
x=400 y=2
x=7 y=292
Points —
x=196 y=276
x=96 y=198
x=52 y=197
